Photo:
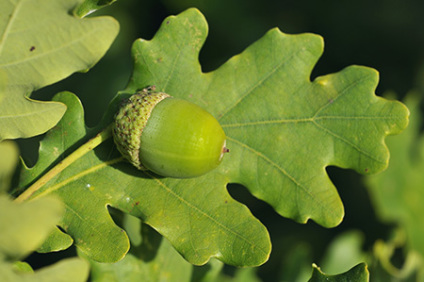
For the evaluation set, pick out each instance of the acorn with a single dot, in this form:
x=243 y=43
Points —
x=168 y=136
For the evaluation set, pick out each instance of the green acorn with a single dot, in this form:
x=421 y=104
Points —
x=169 y=136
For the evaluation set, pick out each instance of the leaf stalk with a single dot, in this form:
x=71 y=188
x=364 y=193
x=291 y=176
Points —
x=77 y=154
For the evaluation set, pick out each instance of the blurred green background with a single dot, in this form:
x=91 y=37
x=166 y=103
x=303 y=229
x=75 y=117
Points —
x=387 y=35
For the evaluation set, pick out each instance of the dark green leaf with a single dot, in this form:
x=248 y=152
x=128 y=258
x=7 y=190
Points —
x=89 y=6
x=283 y=130
x=358 y=273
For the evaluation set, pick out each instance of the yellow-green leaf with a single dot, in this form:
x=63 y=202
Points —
x=42 y=43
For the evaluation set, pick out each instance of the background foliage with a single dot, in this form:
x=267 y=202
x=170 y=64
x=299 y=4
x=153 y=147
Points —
x=386 y=35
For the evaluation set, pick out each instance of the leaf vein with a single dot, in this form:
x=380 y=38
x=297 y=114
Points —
x=202 y=213
x=341 y=94
x=257 y=84
x=9 y=25
x=272 y=163
x=53 y=50
x=351 y=144
x=306 y=119
x=78 y=176
x=172 y=69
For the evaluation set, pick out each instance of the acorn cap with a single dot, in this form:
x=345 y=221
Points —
x=130 y=122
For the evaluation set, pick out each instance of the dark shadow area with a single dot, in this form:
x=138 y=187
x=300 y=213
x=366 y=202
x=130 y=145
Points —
x=40 y=260
x=288 y=235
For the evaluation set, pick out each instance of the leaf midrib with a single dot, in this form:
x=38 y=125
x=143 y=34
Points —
x=206 y=215
x=52 y=50
x=258 y=83
x=304 y=120
x=9 y=25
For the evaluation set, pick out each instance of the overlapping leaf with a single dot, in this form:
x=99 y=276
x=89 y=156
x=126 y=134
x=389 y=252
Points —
x=358 y=273
x=23 y=228
x=154 y=259
x=283 y=130
x=90 y=6
x=42 y=43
